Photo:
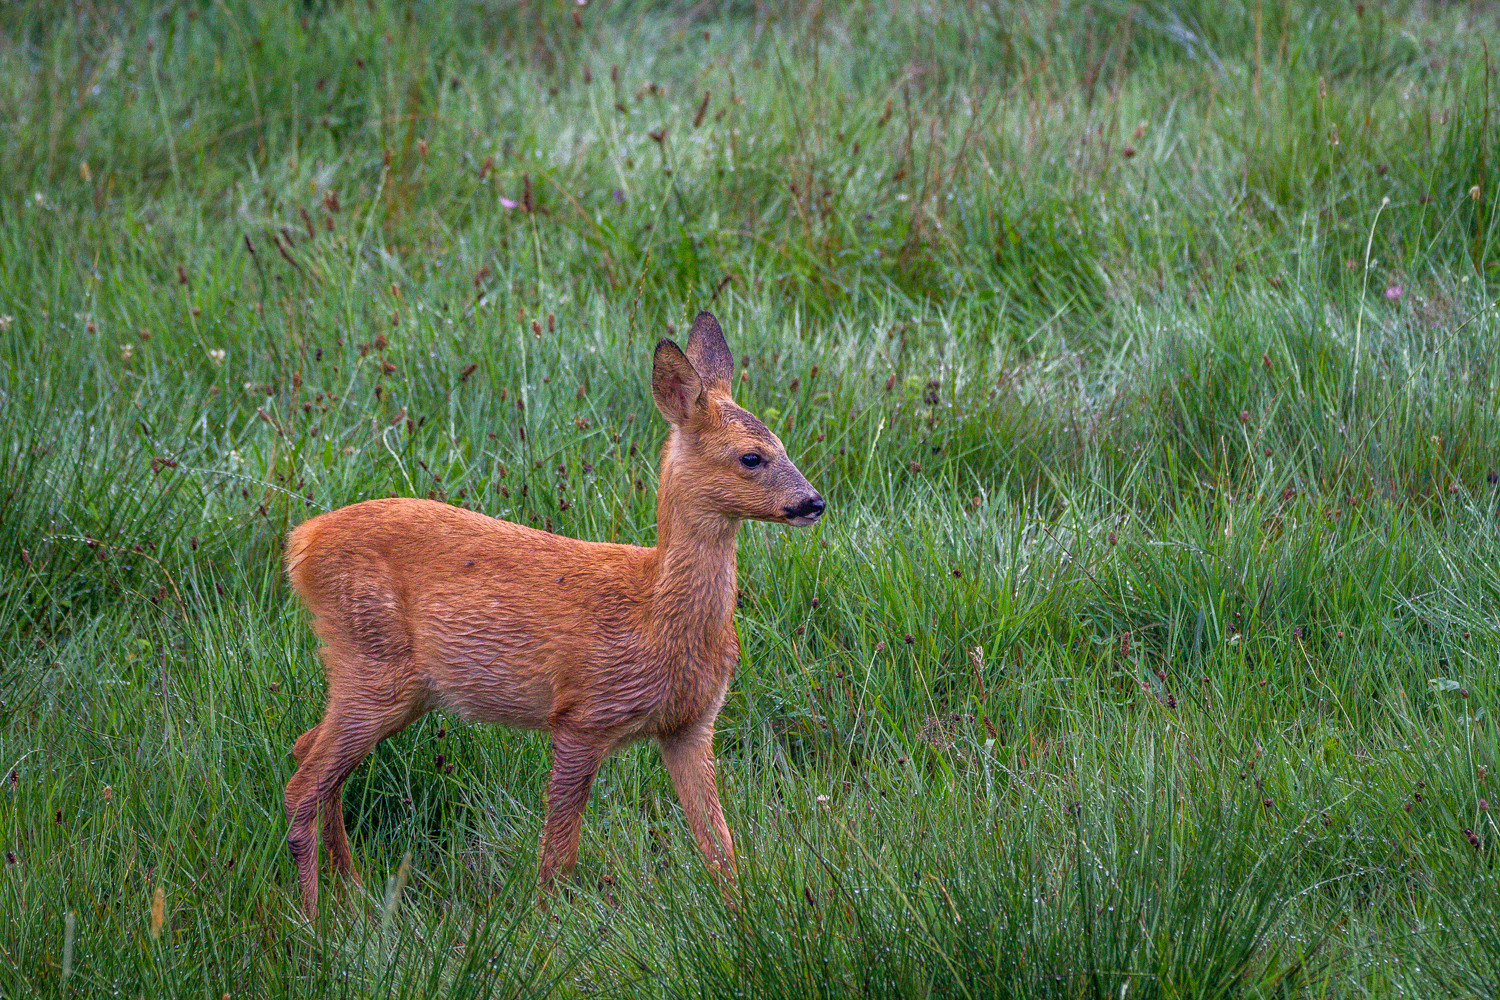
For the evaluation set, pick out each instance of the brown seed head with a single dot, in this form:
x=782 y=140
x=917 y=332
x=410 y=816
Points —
x=158 y=912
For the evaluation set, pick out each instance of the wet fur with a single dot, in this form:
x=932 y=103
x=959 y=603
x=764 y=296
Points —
x=421 y=605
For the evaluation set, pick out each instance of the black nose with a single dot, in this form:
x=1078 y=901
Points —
x=811 y=507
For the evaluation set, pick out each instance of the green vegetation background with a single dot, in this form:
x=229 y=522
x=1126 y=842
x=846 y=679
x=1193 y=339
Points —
x=1144 y=352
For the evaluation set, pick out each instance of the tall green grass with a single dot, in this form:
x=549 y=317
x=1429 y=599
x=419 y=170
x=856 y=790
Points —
x=1143 y=352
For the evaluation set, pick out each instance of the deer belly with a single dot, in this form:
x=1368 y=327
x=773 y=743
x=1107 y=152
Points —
x=485 y=676
x=494 y=693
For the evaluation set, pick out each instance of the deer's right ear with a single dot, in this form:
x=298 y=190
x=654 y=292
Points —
x=675 y=385
x=709 y=353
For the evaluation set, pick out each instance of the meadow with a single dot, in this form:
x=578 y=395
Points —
x=1146 y=356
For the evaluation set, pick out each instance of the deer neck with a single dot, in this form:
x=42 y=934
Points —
x=696 y=581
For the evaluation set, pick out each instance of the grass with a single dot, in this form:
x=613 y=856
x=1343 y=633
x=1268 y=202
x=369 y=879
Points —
x=1145 y=355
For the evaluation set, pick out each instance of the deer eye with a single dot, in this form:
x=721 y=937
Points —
x=751 y=460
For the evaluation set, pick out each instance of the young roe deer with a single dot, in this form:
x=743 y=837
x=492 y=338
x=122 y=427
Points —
x=421 y=606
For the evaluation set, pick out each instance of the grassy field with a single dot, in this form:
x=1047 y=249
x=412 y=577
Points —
x=1146 y=355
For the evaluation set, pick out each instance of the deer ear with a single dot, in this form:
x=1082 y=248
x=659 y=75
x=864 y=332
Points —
x=709 y=353
x=675 y=384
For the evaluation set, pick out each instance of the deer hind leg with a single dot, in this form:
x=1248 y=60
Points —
x=305 y=743
x=575 y=761
x=340 y=857
x=350 y=729
x=690 y=761
x=331 y=816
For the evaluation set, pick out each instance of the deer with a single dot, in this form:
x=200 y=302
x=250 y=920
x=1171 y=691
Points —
x=420 y=605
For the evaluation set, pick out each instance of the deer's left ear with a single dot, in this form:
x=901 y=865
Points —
x=709 y=353
x=675 y=385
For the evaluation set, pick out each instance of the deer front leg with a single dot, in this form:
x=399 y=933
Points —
x=690 y=761
x=575 y=761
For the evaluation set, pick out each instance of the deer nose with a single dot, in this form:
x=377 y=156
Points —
x=812 y=507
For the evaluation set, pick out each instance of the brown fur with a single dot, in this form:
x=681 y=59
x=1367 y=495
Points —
x=421 y=605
